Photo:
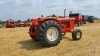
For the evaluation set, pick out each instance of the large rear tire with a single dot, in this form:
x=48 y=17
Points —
x=76 y=34
x=49 y=33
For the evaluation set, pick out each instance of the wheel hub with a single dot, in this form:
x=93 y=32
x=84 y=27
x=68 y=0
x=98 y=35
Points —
x=52 y=34
x=78 y=34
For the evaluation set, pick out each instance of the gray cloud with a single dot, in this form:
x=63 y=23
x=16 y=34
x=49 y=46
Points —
x=23 y=9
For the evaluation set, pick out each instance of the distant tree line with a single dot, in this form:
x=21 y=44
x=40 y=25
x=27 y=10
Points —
x=2 y=22
x=95 y=18
x=28 y=20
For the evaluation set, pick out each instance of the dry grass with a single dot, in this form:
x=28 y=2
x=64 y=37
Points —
x=17 y=42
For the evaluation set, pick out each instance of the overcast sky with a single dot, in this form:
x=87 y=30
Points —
x=23 y=9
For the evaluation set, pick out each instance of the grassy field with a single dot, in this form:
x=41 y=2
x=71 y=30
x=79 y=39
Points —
x=17 y=42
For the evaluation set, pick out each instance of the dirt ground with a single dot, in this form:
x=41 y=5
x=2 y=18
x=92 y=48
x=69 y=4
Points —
x=17 y=42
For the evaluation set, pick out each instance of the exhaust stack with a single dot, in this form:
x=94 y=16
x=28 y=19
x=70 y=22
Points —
x=64 y=12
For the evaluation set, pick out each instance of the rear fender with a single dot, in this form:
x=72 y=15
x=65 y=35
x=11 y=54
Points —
x=55 y=19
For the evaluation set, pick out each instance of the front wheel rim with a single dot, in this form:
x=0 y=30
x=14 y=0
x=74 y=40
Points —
x=78 y=34
x=52 y=33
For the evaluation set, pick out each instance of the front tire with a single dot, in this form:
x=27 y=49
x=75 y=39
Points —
x=76 y=34
x=49 y=33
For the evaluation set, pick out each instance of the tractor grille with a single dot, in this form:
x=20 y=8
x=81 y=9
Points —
x=65 y=24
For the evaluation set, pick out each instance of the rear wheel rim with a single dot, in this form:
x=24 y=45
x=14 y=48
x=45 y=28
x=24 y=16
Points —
x=52 y=33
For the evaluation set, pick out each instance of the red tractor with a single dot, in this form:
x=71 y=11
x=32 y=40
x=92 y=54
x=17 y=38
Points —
x=78 y=18
x=84 y=19
x=10 y=24
x=23 y=24
x=49 y=30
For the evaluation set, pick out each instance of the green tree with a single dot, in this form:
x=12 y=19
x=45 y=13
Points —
x=10 y=19
x=0 y=22
x=28 y=20
x=95 y=18
x=18 y=20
